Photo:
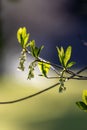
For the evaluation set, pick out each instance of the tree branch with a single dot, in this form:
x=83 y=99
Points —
x=78 y=77
x=78 y=72
x=30 y=96
x=42 y=91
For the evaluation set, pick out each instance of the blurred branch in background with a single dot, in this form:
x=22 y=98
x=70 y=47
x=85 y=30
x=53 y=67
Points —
x=14 y=1
x=1 y=41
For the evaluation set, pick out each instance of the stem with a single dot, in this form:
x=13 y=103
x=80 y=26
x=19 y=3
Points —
x=61 y=77
x=78 y=72
x=30 y=96
x=42 y=91
x=60 y=67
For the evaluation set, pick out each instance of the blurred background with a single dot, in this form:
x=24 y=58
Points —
x=50 y=23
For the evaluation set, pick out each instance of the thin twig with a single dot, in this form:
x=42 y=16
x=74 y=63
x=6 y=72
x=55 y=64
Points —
x=79 y=77
x=78 y=72
x=60 y=67
x=42 y=91
x=75 y=74
x=30 y=96
x=39 y=59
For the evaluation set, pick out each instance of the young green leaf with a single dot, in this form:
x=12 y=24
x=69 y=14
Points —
x=62 y=51
x=84 y=96
x=22 y=37
x=39 y=50
x=81 y=105
x=35 y=51
x=70 y=64
x=60 y=54
x=32 y=47
x=32 y=44
x=19 y=35
x=44 y=68
x=26 y=40
x=24 y=32
x=67 y=55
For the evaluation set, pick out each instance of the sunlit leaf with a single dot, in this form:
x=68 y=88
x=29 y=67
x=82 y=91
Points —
x=32 y=47
x=24 y=32
x=67 y=55
x=22 y=37
x=35 y=51
x=81 y=105
x=44 y=68
x=60 y=54
x=70 y=64
x=39 y=50
x=84 y=96
x=26 y=40
x=32 y=44
x=19 y=34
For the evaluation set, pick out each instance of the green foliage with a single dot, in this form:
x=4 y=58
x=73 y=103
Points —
x=35 y=51
x=23 y=37
x=83 y=104
x=67 y=55
x=60 y=54
x=44 y=68
x=84 y=96
x=64 y=57
x=69 y=65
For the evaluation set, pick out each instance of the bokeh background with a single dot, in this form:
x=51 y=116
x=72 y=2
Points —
x=50 y=23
